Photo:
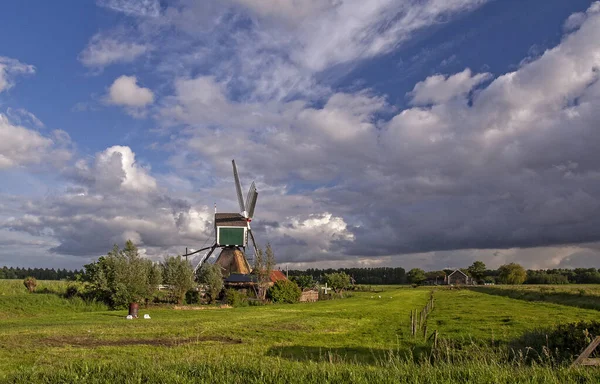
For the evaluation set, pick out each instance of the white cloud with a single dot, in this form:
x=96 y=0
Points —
x=315 y=232
x=23 y=117
x=20 y=146
x=144 y=8
x=125 y=91
x=278 y=55
x=116 y=169
x=106 y=50
x=10 y=68
x=440 y=88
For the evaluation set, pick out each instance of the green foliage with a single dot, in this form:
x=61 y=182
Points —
x=192 y=297
x=562 y=342
x=263 y=265
x=121 y=277
x=512 y=273
x=304 y=281
x=477 y=271
x=337 y=281
x=416 y=276
x=30 y=283
x=178 y=274
x=235 y=298
x=379 y=276
x=38 y=273
x=543 y=277
x=211 y=276
x=75 y=289
x=285 y=291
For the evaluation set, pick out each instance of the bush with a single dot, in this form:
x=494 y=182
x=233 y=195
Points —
x=212 y=277
x=122 y=277
x=235 y=298
x=192 y=297
x=564 y=341
x=284 y=291
x=337 y=281
x=30 y=283
x=74 y=289
x=178 y=274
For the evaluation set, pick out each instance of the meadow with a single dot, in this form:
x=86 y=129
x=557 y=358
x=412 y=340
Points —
x=364 y=338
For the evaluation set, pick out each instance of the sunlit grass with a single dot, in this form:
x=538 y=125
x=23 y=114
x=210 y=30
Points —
x=365 y=338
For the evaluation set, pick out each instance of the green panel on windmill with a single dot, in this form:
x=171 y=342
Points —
x=232 y=236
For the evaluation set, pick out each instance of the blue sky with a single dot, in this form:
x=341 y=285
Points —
x=414 y=133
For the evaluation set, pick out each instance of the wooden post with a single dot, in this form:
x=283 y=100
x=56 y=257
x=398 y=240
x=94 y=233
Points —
x=435 y=336
x=416 y=322
x=584 y=359
x=412 y=323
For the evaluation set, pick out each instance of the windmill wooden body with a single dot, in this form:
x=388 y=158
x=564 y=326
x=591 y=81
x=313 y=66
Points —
x=232 y=231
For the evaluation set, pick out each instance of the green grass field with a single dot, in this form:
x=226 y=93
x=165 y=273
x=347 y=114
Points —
x=364 y=338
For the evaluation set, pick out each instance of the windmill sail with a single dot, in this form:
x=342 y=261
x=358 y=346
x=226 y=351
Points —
x=251 y=200
x=238 y=189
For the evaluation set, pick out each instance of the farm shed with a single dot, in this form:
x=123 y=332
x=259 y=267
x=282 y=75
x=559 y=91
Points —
x=309 y=295
x=458 y=277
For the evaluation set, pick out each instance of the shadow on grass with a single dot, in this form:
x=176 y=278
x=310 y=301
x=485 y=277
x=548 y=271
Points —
x=348 y=355
x=579 y=300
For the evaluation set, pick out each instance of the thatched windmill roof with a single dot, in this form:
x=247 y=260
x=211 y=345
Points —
x=231 y=261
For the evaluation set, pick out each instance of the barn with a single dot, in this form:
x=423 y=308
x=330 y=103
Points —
x=458 y=277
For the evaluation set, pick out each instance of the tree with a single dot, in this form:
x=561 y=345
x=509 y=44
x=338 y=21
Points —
x=512 y=274
x=416 y=276
x=263 y=265
x=304 y=281
x=477 y=271
x=211 y=276
x=121 y=277
x=337 y=281
x=179 y=275
x=30 y=283
x=285 y=291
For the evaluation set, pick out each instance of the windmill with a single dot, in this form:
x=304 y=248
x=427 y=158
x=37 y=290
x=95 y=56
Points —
x=231 y=233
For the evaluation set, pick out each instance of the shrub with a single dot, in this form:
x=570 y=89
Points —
x=192 y=297
x=512 y=273
x=285 y=291
x=74 y=289
x=178 y=274
x=235 y=298
x=564 y=341
x=121 y=277
x=337 y=281
x=211 y=276
x=30 y=283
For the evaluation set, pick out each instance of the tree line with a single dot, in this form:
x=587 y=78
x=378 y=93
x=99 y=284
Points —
x=382 y=275
x=38 y=273
x=511 y=273
x=374 y=276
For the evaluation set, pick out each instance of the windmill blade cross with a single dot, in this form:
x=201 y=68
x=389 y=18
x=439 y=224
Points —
x=251 y=200
x=253 y=243
x=238 y=188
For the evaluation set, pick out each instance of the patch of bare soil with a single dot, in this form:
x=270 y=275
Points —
x=91 y=342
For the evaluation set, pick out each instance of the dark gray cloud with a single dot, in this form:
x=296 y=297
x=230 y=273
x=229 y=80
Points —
x=471 y=168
